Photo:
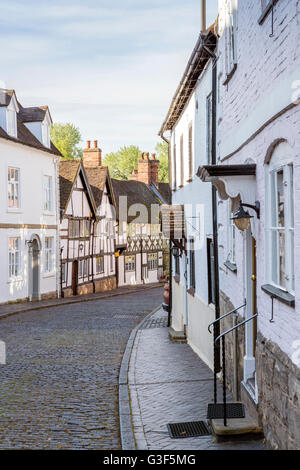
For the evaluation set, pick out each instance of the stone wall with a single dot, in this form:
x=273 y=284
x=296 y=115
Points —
x=101 y=285
x=279 y=396
x=226 y=306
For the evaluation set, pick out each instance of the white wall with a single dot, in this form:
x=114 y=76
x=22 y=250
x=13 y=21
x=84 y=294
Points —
x=196 y=196
x=33 y=165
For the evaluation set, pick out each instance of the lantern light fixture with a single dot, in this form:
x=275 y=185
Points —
x=175 y=252
x=242 y=218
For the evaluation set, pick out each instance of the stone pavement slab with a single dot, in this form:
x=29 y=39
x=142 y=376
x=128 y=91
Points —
x=168 y=383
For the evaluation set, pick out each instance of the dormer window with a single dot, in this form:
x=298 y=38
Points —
x=11 y=122
x=46 y=133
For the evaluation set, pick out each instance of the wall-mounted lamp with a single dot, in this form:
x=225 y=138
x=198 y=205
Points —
x=29 y=243
x=81 y=246
x=175 y=251
x=242 y=218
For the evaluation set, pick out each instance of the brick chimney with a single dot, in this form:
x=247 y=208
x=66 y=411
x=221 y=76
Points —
x=92 y=157
x=147 y=169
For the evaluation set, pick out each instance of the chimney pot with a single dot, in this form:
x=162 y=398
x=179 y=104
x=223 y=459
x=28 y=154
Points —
x=95 y=144
x=88 y=144
x=153 y=156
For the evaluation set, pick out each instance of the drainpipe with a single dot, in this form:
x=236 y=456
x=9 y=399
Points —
x=161 y=134
x=215 y=215
x=203 y=15
x=185 y=294
x=93 y=241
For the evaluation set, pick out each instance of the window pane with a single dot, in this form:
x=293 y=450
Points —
x=292 y=274
x=273 y=221
x=280 y=198
x=282 y=272
x=274 y=256
x=291 y=194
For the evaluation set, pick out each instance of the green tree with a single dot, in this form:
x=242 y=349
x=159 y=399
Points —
x=161 y=150
x=66 y=138
x=123 y=162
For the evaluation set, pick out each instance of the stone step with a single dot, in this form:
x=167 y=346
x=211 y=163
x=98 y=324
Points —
x=237 y=428
x=177 y=336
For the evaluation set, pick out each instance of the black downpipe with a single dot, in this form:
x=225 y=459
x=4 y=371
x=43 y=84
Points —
x=215 y=226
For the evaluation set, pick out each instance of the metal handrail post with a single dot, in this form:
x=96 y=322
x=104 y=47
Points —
x=235 y=327
x=224 y=381
x=226 y=315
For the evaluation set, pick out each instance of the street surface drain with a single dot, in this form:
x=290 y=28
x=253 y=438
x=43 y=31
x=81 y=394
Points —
x=233 y=410
x=191 y=429
x=156 y=323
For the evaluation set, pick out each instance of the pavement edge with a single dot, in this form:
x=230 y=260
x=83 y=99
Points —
x=126 y=426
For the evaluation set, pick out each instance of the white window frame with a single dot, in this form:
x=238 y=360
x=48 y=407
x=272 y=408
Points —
x=272 y=274
x=232 y=35
x=49 y=255
x=48 y=193
x=129 y=263
x=14 y=258
x=100 y=265
x=11 y=122
x=152 y=261
x=13 y=184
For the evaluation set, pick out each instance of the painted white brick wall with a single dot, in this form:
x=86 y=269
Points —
x=265 y=67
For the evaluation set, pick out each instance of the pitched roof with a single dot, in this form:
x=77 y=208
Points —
x=24 y=135
x=5 y=96
x=97 y=178
x=165 y=190
x=33 y=114
x=137 y=193
x=68 y=170
x=201 y=54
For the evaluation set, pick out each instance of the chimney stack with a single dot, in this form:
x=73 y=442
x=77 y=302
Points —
x=92 y=157
x=147 y=169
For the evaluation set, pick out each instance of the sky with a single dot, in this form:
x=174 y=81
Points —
x=110 y=67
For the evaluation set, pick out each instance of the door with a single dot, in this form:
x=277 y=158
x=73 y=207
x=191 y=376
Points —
x=75 y=277
x=35 y=270
x=251 y=307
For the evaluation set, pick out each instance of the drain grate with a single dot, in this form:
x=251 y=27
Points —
x=191 y=429
x=233 y=410
x=156 y=323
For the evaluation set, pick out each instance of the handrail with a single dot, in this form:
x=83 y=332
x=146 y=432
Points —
x=226 y=315
x=234 y=327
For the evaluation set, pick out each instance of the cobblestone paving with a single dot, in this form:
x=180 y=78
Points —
x=59 y=386
x=170 y=384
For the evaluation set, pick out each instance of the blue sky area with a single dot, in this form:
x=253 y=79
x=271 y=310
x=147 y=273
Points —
x=109 y=67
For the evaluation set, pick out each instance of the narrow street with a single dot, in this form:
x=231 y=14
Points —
x=59 y=388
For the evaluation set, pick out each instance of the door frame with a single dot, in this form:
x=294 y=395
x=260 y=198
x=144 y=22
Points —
x=250 y=310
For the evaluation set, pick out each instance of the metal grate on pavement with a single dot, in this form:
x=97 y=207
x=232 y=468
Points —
x=190 y=429
x=156 y=323
x=233 y=410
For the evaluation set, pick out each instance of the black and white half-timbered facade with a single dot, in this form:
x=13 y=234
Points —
x=87 y=235
x=138 y=200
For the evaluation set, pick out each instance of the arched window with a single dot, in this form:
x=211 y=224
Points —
x=280 y=219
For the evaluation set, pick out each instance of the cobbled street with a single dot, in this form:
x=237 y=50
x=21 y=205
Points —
x=59 y=388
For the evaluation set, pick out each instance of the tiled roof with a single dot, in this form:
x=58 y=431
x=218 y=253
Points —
x=165 y=191
x=24 y=136
x=33 y=114
x=67 y=173
x=97 y=178
x=137 y=193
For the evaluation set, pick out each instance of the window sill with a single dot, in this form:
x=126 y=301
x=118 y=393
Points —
x=14 y=211
x=266 y=11
x=231 y=266
x=177 y=279
x=15 y=280
x=230 y=75
x=49 y=213
x=281 y=295
x=50 y=274
x=191 y=291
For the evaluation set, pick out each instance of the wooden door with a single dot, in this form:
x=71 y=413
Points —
x=75 y=277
